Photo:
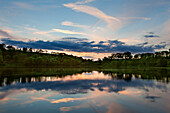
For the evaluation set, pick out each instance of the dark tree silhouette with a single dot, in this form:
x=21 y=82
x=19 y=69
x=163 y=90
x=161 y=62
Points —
x=2 y=46
x=127 y=55
x=24 y=49
x=30 y=50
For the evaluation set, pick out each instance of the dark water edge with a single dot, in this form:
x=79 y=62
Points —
x=25 y=71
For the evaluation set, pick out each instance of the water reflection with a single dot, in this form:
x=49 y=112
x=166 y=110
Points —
x=85 y=91
x=11 y=79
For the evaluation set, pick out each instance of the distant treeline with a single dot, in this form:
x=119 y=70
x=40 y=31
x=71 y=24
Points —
x=157 y=59
x=11 y=57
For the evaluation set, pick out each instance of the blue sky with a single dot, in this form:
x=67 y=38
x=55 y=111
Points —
x=133 y=25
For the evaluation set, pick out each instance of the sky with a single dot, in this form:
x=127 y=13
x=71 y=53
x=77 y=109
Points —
x=86 y=28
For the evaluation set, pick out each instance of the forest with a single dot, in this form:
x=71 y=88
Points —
x=12 y=57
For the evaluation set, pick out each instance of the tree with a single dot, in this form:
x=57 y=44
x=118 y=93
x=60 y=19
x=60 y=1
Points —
x=29 y=61
x=2 y=47
x=30 y=50
x=39 y=60
x=119 y=55
x=162 y=62
x=137 y=56
x=24 y=49
x=40 y=51
x=127 y=55
x=99 y=62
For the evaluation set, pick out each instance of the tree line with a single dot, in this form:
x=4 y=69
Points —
x=11 y=57
x=157 y=59
x=28 y=57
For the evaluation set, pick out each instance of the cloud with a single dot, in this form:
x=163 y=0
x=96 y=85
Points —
x=151 y=36
x=88 y=57
x=4 y=96
x=92 y=11
x=84 y=45
x=136 y=18
x=68 y=32
x=68 y=23
x=29 y=6
x=67 y=100
x=159 y=46
x=152 y=98
x=112 y=23
x=151 y=32
x=65 y=109
x=47 y=33
x=84 y=1
x=142 y=44
x=39 y=32
x=74 y=39
x=24 y=5
x=3 y=33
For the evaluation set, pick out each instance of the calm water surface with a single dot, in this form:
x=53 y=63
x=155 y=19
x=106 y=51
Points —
x=84 y=91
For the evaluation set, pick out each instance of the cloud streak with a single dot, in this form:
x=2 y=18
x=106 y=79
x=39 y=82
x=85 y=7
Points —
x=151 y=35
x=24 y=5
x=84 y=2
x=68 y=23
x=3 y=33
x=68 y=32
x=91 y=11
x=31 y=6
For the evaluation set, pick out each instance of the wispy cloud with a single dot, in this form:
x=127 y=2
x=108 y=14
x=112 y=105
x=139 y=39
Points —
x=74 y=39
x=84 y=1
x=67 y=100
x=77 y=6
x=32 y=6
x=151 y=35
x=25 y=5
x=65 y=109
x=135 y=18
x=40 y=32
x=11 y=34
x=91 y=11
x=93 y=32
x=68 y=23
x=68 y=32
x=5 y=34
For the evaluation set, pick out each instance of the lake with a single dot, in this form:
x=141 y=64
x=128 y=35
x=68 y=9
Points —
x=27 y=90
